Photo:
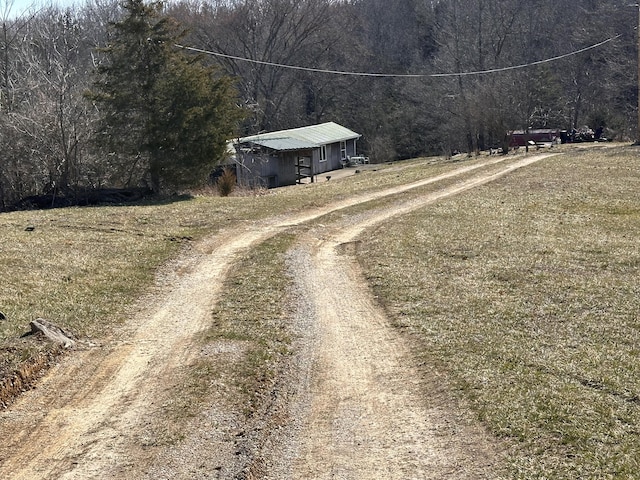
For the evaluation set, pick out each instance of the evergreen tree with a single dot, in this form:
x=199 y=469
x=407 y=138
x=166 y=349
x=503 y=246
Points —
x=164 y=117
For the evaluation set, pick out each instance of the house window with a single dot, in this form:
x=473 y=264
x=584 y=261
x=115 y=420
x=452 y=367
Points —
x=323 y=153
x=343 y=150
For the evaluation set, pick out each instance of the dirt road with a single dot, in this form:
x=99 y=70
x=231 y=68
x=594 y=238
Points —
x=358 y=411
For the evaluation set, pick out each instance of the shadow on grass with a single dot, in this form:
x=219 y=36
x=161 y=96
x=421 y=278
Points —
x=98 y=197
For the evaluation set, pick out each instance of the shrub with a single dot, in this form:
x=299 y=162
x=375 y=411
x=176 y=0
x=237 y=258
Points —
x=226 y=182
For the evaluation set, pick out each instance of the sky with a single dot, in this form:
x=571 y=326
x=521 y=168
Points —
x=14 y=8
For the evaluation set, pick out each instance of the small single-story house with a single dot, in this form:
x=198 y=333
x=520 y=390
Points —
x=285 y=157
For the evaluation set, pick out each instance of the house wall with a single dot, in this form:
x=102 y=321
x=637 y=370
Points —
x=260 y=170
x=287 y=165
x=334 y=156
x=255 y=169
x=520 y=139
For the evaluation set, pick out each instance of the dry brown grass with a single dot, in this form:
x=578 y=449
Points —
x=82 y=267
x=526 y=291
x=253 y=315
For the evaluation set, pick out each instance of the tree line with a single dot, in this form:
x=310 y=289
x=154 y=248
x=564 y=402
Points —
x=98 y=95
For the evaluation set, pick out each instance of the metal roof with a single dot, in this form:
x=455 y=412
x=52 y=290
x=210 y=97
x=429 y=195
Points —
x=303 y=138
x=284 y=144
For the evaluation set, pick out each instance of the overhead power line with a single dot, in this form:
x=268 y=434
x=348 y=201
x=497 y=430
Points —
x=400 y=75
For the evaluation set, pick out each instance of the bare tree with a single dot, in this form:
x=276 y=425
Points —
x=44 y=120
x=55 y=119
x=11 y=88
x=275 y=31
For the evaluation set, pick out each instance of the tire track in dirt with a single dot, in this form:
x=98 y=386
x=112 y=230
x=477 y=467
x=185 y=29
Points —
x=369 y=413
x=88 y=433
x=87 y=412
x=367 y=418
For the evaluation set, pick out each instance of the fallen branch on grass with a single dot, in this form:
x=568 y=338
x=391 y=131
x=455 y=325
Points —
x=52 y=332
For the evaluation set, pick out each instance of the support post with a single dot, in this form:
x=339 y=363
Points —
x=638 y=126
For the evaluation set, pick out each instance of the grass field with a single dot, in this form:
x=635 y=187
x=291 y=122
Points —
x=524 y=292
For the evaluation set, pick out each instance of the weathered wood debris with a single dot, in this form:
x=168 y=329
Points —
x=52 y=332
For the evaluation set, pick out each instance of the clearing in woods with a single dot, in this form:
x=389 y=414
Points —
x=361 y=407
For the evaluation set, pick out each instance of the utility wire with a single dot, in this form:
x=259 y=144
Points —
x=401 y=75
